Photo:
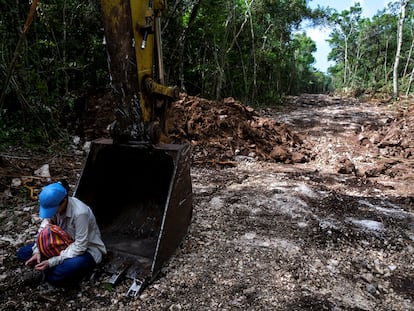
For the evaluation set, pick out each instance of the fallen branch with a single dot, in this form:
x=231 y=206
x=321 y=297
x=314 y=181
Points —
x=12 y=64
x=2 y=155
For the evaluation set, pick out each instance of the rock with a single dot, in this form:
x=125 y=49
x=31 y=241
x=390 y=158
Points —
x=279 y=154
x=346 y=166
x=298 y=157
x=368 y=277
x=364 y=141
x=175 y=307
x=392 y=267
x=86 y=146
x=76 y=140
x=378 y=268
x=43 y=171
x=249 y=291
x=359 y=172
x=16 y=182
x=3 y=277
x=371 y=289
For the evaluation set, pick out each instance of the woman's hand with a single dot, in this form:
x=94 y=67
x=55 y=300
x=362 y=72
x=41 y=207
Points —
x=34 y=260
x=42 y=266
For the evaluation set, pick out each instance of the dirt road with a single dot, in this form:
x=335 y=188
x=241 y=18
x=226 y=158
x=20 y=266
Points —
x=334 y=232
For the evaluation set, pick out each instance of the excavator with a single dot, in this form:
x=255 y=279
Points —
x=137 y=184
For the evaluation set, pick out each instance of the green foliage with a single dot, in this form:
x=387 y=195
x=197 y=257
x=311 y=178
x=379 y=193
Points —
x=21 y=128
x=241 y=48
x=364 y=49
x=248 y=50
x=62 y=56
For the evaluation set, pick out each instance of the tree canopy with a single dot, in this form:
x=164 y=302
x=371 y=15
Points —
x=365 y=50
x=252 y=50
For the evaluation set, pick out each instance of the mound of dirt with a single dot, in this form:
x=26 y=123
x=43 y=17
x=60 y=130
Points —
x=219 y=131
x=397 y=138
x=223 y=130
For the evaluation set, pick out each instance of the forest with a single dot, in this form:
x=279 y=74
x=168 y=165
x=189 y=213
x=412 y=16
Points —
x=53 y=53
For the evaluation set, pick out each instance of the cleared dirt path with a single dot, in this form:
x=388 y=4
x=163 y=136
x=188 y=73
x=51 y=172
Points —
x=334 y=233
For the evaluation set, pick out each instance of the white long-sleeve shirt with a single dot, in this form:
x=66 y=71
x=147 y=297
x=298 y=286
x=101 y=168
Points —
x=80 y=223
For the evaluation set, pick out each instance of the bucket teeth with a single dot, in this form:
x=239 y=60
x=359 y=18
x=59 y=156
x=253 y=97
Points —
x=118 y=274
x=135 y=288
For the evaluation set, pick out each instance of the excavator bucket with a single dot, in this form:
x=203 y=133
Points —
x=141 y=196
x=139 y=190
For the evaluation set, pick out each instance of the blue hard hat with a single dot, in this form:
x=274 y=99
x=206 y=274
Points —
x=50 y=199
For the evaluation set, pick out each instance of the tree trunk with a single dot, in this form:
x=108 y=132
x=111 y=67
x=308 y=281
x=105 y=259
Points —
x=396 y=91
x=410 y=82
x=181 y=42
x=385 y=63
x=407 y=63
x=346 y=63
x=254 y=90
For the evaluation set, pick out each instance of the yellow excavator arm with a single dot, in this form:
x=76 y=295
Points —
x=133 y=39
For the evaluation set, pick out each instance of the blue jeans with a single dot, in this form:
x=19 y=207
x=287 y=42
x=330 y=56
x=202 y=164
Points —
x=70 y=272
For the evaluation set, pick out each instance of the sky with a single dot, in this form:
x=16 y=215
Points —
x=319 y=35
